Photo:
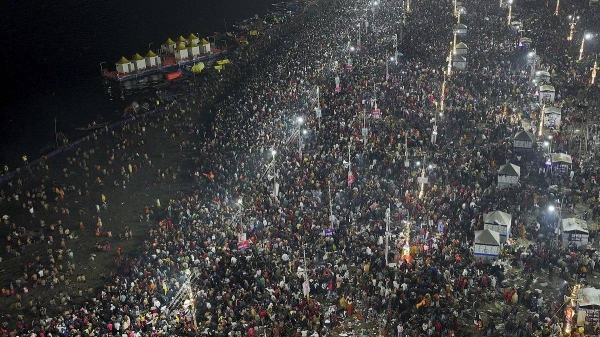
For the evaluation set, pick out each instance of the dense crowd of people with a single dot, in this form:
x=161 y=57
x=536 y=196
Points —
x=283 y=231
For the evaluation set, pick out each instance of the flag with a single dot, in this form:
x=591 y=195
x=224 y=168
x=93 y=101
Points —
x=350 y=177
x=376 y=113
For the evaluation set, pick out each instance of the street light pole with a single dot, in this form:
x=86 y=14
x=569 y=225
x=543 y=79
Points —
x=387 y=232
x=102 y=68
x=557 y=4
x=510 y=2
x=594 y=70
x=150 y=45
x=586 y=36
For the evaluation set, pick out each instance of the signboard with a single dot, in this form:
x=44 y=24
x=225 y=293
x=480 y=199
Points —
x=377 y=113
x=318 y=112
x=338 y=89
x=306 y=288
x=422 y=180
x=243 y=244
x=365 y=132
x=328 y=231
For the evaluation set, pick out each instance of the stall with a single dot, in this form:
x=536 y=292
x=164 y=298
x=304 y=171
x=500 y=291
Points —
x=459 y=62
x=542 y=76
x=574 y=232
x=546 y=94
x=508 y=175
x=487 y=246
x=124 y=66
x=523 y=141
x=552 y=117
x=138 y=62
x=461 y=49
x=460 y=29
x=588 y=306
x=498 y=221
x=560 y=161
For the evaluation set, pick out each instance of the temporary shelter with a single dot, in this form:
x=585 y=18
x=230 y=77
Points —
x=561 y=158
x=552 y=117
x=124 y=66
x=152 y=60
x=138 y=62
x=546 y=93
x=525 y=43
x=459 y=62
x=498 y=221
x=193 y=49
x=574 y=231
x=169 y=46
x=588 y=306
x=460 y=29
x=508 y=175
x=193 y=38
x=204 y=47
x=181 y=52
x=181 y=39
x=461 y=49
x=523 y=141
x=487 y=245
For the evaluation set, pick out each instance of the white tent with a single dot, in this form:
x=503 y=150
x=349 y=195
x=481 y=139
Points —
x=461 y=49
x=546 y=93
x=152 y=60
x=138 y=62
x=561 y=158
x=498 y=221
x=575 y=231
x=459 y=62
x=193 y=49
x=168 y=46
x=523 y=140
x=588 y=306
x=487 y=245
x=460 y=29
x=124 y=66
x=193 y=38
x=508 y=175
x=181 y=52
x=552 y=117
x=204 y=46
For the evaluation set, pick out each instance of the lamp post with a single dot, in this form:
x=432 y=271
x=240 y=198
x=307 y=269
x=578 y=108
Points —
x=573 y=22
x=275 y=184
x=102 y=68
x=586 y=36
x=407 y=6
x=594 y=70
x=150 y=45
x=449 y=71
x=443 y=93
x=396 y=47
x=301 y=142
x=557 y=5
x=388 y=219
x=510 y=2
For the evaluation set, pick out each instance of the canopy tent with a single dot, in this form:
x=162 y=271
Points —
x=193 y=49
x=204 y=46
x=193 y=38
x=508 y=175
x=461 y=48
x=124 y=66
x=498 y=221
x=523 y=140
x=169 y=46
x=460 y=29
x=552 y=116
x=574 y=231
x=138 y=62
x=181 y=52
x=588 y=306
x=487 y=245
x=152 y=60
x=546 y=93
x=459 y=62
x=561 y=158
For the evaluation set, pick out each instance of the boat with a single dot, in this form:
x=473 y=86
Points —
x=174 y=75
x=93 y=126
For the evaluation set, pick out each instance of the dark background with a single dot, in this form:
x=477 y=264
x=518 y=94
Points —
x=51 y=53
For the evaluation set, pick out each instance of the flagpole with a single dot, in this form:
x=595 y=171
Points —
x=330 y=205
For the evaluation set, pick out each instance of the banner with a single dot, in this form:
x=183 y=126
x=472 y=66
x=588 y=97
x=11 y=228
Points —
x=337 y=81
x=243 y=244
x=328 y=231
x=350 y=178
x=318 y=112
x=376 y=113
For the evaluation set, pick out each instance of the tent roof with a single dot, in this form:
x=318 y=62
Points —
x=561 y=158
x=170 y=42
x=524 y=135
x=138 y=57
x=552 y=110
x=588 y=297
x=526 y=39
x=181 y=46
x=498 y=217
x=461 y=45
x=546 y=87
x=181 y=39
x=510 y=170
x=123 y=60
x=150 y=53
x=192 y=37
x=574 y=225
x=460 y=26
x=487 y=237
x=459 y=58
x=203 y=41
x=192 y=44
